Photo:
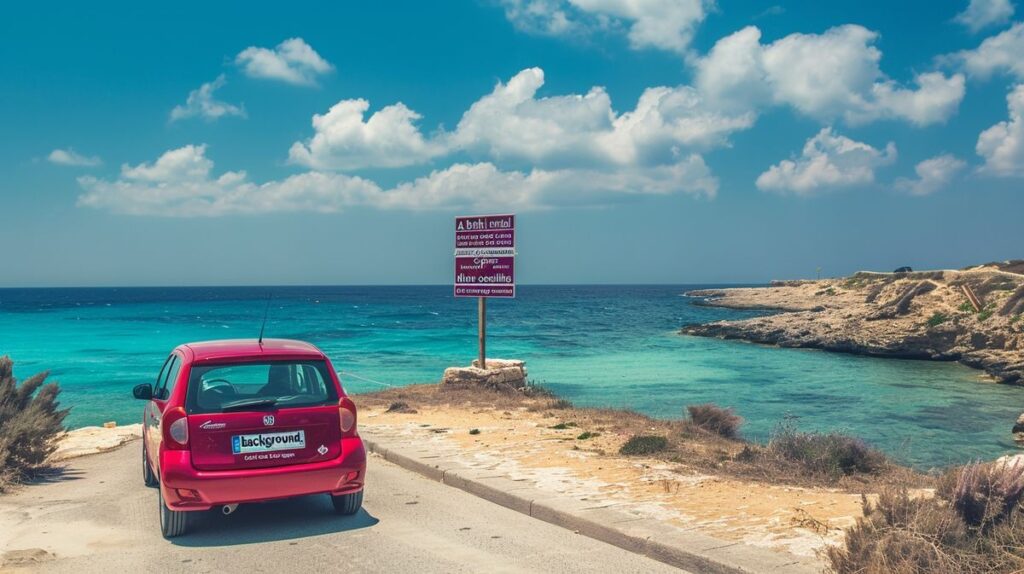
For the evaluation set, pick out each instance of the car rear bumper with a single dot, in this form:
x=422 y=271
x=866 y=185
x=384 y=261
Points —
x=185 y=488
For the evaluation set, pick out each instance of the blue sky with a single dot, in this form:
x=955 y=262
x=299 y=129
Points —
x=664 y=141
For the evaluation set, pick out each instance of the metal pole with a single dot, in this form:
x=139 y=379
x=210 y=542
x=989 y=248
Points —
x=482 y=327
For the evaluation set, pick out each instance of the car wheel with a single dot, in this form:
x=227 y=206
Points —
x=348 y=504
x=148 y=477
x=172 y=522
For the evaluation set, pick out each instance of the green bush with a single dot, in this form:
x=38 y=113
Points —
x=831 y=454
x=587 y=434
x=30 y=423
x=937 y=319
x=713 y=418
x=643 y=445
x=985 y=313
x=563 y=426
x=966 y=307
x=474 y=431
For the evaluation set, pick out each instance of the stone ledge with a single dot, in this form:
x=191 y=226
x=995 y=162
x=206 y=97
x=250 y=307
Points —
x=499 y=373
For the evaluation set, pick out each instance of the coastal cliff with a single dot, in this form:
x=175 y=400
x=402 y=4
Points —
x=915 y=315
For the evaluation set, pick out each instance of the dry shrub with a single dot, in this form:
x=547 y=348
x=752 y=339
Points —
x=713 y=418
x=30 y=423
x=986 y=494
x=832 y=454
x=401 y=407
x=900 y=534
x=536 y=389
x=973 y=525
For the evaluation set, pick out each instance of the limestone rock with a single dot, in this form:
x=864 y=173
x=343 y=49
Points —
x=1018 y=430
x=499 y=373
x=919 y=315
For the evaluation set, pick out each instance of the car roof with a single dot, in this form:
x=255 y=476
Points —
x=234 y=349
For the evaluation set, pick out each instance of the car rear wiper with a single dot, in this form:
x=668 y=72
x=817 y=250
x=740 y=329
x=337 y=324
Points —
x=247 y=403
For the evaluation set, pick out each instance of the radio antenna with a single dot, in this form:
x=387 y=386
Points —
x=264 y=325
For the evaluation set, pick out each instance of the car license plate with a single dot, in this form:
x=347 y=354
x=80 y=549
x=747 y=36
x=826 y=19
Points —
x=268 y=442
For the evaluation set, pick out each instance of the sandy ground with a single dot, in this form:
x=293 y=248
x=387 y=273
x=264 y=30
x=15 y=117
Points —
x=521 y=443
x=98 y=517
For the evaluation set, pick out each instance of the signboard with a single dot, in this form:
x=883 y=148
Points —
x=485 y=256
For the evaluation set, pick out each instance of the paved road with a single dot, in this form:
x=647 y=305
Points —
x=98 y=517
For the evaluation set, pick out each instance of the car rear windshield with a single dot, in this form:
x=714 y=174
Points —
x=261 y=385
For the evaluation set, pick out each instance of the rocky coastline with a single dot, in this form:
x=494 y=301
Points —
x=917 y=315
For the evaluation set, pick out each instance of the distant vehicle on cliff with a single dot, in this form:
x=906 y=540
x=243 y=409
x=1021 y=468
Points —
x=903 y=270
x=230 y=422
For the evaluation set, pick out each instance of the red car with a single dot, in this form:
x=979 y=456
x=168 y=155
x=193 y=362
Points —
x=229 y=422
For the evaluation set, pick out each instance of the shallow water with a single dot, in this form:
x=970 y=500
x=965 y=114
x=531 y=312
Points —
x=595 y=345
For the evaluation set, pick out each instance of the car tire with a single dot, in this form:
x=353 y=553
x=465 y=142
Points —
x=172 y=522
x=148 y=477
x=348 y=504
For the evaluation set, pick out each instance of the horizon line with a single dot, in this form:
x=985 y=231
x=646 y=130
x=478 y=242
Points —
x=299 y=285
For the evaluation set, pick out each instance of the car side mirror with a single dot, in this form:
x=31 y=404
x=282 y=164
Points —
x=143 y=392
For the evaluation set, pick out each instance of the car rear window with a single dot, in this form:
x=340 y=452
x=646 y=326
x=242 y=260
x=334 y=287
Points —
x=253 y=386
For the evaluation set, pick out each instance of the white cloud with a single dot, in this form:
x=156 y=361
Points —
x=73 y=158
x=934 y=101
x=999 y=53
x=826 y=76
x=202 y=103
x=342 y=140
x=512 y=123
x=180 y=183
x=932 y=175
x=546 y=17
x=665 y=118
x=984 y=13
x=292 y=61
x=1002 y=145
x=188 y=163
x=662 y=24
x=828 y=161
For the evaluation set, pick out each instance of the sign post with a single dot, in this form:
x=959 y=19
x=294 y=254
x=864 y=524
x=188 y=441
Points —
x=482 y=330
x=485 y=264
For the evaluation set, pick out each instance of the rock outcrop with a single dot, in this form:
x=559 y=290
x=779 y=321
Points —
x=917 y=315
x=1018 y=429
x=499 y=373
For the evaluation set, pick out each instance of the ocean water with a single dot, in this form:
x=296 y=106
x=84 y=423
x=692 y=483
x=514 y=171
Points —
x=595 y=345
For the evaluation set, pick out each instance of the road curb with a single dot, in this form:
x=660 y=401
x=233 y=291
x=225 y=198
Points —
x=686 y=550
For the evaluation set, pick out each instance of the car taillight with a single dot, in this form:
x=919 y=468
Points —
x=347 y=416
x=175 y=424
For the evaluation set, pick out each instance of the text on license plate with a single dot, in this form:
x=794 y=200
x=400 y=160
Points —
x=268 y=442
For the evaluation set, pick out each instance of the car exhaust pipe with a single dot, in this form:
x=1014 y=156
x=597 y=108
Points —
x=228 y=508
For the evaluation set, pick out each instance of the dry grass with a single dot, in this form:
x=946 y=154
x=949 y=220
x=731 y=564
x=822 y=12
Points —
x=686 y=444
x=831 y=454
x=713 y=418
x=974 y=525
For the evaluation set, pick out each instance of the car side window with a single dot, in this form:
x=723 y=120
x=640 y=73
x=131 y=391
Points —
x=163 y=373
x=170 y=376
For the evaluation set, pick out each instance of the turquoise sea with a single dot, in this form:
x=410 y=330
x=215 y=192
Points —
x=595 y=345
